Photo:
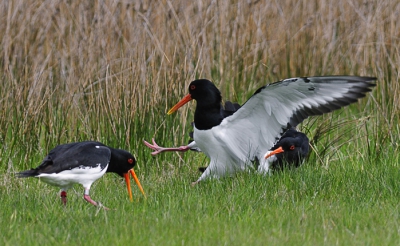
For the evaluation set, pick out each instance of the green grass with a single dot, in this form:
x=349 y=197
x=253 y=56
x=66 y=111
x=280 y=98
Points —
x=311 y=205
x=109 y=71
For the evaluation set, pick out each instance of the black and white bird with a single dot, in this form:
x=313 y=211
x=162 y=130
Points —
x=290 y=151
x=83 y=163
x=234 y=142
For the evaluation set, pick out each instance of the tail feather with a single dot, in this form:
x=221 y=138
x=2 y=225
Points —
x=27 y=173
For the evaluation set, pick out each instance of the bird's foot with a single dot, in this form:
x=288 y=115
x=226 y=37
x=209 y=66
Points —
x=153 y=146
x=158 y=149
x=102 y=206
x=99 y=205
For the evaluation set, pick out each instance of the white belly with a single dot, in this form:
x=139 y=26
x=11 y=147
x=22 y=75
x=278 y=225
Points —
x=82 y=175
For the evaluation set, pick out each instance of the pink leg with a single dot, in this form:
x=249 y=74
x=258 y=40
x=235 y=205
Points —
x=63 y=196
x=159 y=149
x=88 y=199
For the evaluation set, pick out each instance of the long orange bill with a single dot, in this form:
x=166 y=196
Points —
x=182 y=102
x=277 y=151
x=137 y=181
x=128 y=185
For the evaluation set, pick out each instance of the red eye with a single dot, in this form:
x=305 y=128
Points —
x=192 y=87
x=130 y=161
x=292 y=147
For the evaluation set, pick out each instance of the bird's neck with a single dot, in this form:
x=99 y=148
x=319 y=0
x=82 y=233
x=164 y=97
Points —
x=113 y=163
x=206 y=118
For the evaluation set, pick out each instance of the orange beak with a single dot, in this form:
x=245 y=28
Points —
x=277 y=151
x=182 y=102
x=128 y=183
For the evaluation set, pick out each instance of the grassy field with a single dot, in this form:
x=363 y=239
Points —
x=110 y=70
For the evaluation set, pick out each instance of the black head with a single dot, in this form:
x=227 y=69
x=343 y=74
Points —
x=121 y=162
x=295 y=147
x=204 y=92
x=208 y=108
x=289 y=145
x=208 y=98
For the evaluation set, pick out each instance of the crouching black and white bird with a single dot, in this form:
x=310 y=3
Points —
x=83 y=163
x=233 y=143
x=290 y=151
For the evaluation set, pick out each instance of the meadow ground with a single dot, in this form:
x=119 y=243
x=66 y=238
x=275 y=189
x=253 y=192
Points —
x=110 y=70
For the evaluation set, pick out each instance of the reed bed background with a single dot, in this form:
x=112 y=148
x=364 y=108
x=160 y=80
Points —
x=109 y=71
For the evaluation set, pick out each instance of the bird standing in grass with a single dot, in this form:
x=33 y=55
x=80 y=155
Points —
x=83 y=163
x=233 y=143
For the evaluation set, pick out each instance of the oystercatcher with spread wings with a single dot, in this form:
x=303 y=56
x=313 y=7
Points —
x=83 y=163
x=234 y=142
